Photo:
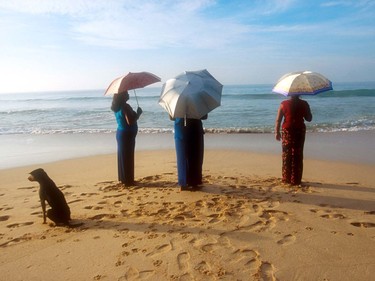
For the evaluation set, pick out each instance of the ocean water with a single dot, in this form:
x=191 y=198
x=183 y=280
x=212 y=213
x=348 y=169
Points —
x=43 y=127
x=244 y=109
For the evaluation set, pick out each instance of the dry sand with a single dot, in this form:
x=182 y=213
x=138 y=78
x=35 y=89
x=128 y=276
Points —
x=242 y=225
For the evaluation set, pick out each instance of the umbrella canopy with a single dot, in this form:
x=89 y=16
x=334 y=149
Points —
x=131 y=81
x=192 y=94
x=302 y=83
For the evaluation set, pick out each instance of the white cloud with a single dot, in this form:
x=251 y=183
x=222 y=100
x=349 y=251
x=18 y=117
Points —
x=138 y=24
x=64 y=7
x=236 y=40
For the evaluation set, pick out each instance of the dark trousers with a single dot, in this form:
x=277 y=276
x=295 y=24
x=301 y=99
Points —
x=125 y=156
x=189 y=142
x=292 y=144
x=195 y=151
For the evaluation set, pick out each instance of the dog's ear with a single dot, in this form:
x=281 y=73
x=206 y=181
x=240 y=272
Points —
x=37 y=171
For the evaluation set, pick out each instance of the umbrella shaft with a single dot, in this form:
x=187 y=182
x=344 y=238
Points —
x=136 y=98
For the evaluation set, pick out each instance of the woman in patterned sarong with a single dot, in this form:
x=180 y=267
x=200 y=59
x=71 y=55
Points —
x=292 y=112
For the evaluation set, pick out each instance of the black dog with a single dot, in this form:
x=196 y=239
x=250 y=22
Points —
x=59 y=212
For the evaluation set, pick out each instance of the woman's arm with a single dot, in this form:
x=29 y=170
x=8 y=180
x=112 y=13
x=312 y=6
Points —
x=279 y=117
x=130 y=115
x=308 y=115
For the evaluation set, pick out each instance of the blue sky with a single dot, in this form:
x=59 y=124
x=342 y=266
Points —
x=85 y=44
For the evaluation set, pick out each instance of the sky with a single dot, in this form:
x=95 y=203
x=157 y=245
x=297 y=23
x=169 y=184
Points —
x=58 y=45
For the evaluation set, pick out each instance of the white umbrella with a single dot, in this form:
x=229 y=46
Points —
x=192 y=94
x=302 y=83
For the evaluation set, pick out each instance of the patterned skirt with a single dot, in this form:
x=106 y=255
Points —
x=292 y=145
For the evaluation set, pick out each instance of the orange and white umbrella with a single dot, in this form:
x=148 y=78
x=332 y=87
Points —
x=302 y=83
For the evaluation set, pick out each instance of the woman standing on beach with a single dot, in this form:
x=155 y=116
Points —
x=195 y=150
x=180 y=140
x=189 y=142
x=127 y=129
x=293 y=111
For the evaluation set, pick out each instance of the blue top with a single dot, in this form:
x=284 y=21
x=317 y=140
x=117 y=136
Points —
x=122 y=124
x=179 y=128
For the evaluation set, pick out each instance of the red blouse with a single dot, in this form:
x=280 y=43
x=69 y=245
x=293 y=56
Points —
x=295 y=111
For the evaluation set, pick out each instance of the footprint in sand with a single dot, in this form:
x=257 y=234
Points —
x=363 y=224
x=134 y=274
x=215 y=218
x=101 y=216
x=117 y=204
x=27 y=187
x=288 y=239
x=186 y=277
x=220 y=245
x=131 y=274
x=183 y=261
x=209 y=248
x=4 y=218
x=25 y=237
x=203 y=267
x=75 y=201
x=182 y=216
x=247 y=259
x=19 y=224
x=65 y=186
x=161 y=250
x=333 y=216
x=258 y=226
x=267 y=272
x=274 y=214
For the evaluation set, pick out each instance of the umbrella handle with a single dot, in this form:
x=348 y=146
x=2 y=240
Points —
x=136 y=98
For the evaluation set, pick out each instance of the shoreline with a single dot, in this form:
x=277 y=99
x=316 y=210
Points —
x=22 y=150
x=222 y=161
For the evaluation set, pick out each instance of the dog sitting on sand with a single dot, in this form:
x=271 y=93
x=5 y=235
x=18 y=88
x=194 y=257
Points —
x=48 y=191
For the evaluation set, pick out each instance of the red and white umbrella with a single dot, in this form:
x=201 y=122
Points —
x=131 y=81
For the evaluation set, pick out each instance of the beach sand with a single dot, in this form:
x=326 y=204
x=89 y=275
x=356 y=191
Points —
x=243 y=224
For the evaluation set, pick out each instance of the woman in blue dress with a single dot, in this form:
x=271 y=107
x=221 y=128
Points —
x=127 y=129
x=189 y=142
x=180 y=140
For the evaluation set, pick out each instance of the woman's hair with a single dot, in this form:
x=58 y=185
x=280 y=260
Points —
x=118 y=101
x=295 y=99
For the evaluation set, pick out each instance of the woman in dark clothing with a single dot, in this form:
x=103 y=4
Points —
x=189 y=141
x=195 y=151
x=127 y=130
x=293 y=111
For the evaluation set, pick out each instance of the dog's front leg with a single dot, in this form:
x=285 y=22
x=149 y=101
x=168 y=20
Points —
x=43 y=202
